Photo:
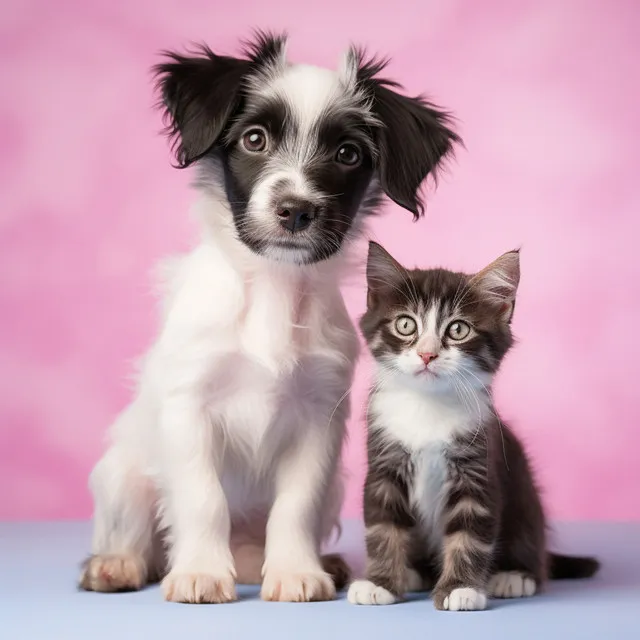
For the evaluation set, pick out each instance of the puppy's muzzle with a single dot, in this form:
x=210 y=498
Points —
x=296 y=215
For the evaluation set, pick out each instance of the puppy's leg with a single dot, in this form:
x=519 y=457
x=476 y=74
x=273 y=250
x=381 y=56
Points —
x=248 y=557
x=122 y=549
x=293 y=571
x=195 y=508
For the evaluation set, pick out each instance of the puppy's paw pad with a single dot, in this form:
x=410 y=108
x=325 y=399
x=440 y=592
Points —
x=109 y=573
x=365 y=592
x=198 y=588
x=280 y=586
x=511 y=584
x=465 y=599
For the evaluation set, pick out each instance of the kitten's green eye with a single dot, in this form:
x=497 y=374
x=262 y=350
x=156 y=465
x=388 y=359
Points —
x=406 y=325
x=458 y=330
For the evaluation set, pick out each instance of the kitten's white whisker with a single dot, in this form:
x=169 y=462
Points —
x=469 y=390
x=405 y=276
x=333 y=413
x=403 y=293
x=490 y=408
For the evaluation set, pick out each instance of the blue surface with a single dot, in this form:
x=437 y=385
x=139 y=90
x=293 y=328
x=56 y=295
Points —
x=38 y=599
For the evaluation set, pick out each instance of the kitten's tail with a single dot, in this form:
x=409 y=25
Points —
x=335 y=565
x=569 y=567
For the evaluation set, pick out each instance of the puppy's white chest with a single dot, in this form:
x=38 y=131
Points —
x=268 y=331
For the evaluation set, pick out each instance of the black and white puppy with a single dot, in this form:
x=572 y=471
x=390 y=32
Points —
x=225 y=467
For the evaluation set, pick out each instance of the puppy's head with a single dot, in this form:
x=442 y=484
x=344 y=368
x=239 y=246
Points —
x=300 y=151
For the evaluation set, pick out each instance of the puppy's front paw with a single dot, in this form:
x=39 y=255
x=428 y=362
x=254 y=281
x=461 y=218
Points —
x=198 y=588
x=284 y=586
x=460 y=599
x=109 y=573
x=365 y=592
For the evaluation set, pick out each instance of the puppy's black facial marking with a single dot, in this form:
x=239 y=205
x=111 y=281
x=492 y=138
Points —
x=301 y=162
x=343 y=186
x=242 y=169
x=271 y=114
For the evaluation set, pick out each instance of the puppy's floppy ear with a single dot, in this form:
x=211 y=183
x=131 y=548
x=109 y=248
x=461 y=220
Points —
x=415 y=136
x=382 y=271
x=498 y=283
x=200 y=92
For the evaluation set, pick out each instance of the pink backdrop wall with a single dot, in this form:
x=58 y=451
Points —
x=548 y=97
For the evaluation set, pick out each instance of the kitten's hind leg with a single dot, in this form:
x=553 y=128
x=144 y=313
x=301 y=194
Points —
x=423 y=567
x=511 y=584
x=124 y=527
x=415 y=582
x=519 y=570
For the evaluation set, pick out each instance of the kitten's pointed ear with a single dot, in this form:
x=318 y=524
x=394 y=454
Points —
x=382 y=271
x=498 y=283
x=414 y=136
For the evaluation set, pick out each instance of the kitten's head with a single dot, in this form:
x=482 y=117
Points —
x=439 y=330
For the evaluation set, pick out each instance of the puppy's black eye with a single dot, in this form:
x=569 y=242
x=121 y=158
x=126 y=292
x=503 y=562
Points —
x=348 y=154
x=255 y=140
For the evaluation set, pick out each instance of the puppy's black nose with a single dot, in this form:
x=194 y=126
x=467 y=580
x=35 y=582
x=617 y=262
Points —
x=296 y=215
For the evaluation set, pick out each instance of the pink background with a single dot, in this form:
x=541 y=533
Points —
x=548 y=98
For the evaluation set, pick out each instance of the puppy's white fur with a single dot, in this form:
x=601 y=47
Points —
x=236 y=428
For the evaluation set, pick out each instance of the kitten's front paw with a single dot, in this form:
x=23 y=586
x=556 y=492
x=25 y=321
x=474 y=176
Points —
x=285 y=586
x=365 y=592
x=511 y=584
x=461 y=599
x=199 y=588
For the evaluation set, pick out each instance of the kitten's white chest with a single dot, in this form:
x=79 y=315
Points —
x=420 y=421
x=425 y=425
x=428 y=492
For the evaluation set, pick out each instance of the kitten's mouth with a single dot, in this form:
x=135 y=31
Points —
x=429 y=373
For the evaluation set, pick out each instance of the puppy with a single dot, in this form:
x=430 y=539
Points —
x=226 y=465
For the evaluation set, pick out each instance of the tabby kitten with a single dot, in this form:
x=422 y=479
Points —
x=450 y=502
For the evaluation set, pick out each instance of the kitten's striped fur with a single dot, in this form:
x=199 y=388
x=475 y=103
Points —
x=450 y=502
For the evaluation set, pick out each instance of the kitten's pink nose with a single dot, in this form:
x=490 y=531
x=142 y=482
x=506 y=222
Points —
x=428 y=357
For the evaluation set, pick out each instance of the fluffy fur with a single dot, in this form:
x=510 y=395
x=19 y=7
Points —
x=450 y=501
x=226 y=466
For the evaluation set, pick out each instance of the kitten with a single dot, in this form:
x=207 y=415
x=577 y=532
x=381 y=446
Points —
x=450 y=502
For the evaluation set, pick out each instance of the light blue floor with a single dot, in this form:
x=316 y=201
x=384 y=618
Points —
x=38 y=599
